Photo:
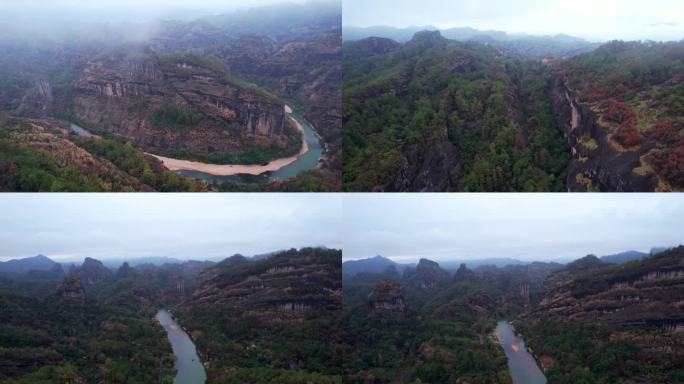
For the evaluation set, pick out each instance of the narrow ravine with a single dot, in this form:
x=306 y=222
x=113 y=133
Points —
x=189 y=368
x=521 y=364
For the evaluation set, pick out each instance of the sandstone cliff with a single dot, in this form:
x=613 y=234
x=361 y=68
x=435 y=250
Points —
x=386 y=296
x=71 y=290
x=176 y=102
x=597 y=164
x=286 y=285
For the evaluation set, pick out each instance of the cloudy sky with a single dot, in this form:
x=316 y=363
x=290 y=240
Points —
x=69 y=227
x=120 y=10
x=441 y=227
x=591 y=19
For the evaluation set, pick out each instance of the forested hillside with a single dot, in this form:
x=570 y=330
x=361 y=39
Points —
x=627 y=128
x=440 y=115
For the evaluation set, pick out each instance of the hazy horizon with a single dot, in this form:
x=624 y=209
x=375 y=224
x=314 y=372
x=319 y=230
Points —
x=527 y=227
x=70 y=227
x=128 y=10
x=661 y=20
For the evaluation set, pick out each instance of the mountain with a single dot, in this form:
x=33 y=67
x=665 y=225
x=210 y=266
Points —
x=386 y=296
x=530 y=46
x=624 y=257
x=435 y=114
x=472 y=264
x=286 y=306
x=158 y=261
x=427 y=275
x=377 y=264
x=209 y=89
x=625 y=312
x=93 y=273
x=35 y=263
x=624 y=135
x=288 y=283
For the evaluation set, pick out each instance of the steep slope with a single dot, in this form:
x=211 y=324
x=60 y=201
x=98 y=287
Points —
x=439 y=115
x=46 y=155
x=625 y=323
x=292 y=282
x=269 y=320
x=620 y=110
x=180 y=103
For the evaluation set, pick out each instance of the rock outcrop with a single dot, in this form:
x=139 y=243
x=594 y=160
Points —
x=176 y=102
x=644 y=293
x=426 y=275
x=596 y=163
x=38 y=101
x=386 y=296
x=93 y=272
x=71 y=290
x=286 y=285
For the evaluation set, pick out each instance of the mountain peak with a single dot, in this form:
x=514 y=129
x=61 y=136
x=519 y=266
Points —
x=428 y=36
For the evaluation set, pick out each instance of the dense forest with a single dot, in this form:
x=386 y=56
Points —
x=53 y=339
x=590 y=321
x=274 y=320
x=428 y=325
x=440 y=115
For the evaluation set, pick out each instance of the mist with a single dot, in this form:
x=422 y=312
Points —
x=529 y=227
x=659 y=20
x=127 y=20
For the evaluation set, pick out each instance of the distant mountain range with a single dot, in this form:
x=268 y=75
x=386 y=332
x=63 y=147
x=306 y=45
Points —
x=35 y=263
x=523 y=44
x=380 y=264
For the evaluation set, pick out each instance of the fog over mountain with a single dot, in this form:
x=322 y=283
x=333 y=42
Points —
x=527 y=227
x=124 y=10
x=594 y=20
x=72 y=227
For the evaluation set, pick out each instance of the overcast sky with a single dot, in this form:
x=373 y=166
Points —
x=124 y=10
x=441 y=227
x=591 y=19
x=69 y=227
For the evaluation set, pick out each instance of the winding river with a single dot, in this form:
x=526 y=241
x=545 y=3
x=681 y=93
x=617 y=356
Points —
x=521 y=364
x=276 y=170
x=189 y=368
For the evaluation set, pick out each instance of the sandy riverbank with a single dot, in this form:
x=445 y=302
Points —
x=236 y=169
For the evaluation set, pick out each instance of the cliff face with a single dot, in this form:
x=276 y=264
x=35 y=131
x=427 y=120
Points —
x=71 y=290
x=597 y=163
x=386 y=296
x=307 y=68
x=286 y=285
x=427 y=275
x=644 y=293
x=175 y=103
x=93 y=272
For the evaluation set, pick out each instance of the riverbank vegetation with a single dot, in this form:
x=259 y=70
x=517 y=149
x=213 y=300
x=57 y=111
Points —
x=45 y=341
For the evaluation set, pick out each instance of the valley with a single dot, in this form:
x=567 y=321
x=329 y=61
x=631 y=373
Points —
x=472 y=111
x=258 y=107
x=587 y=321
x=252 y=320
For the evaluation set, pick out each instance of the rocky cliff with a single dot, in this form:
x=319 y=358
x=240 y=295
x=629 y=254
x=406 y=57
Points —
x=426 y=275
x=598 y=163
x=71 y=290
x=286 y=285
x=94 y=273
x=644 y=293
x=386 y=296
x=176 y=102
